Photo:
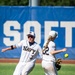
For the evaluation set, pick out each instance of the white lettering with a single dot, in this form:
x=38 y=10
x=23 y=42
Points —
x=16 y=35
x=11 y=33
x=68 y=32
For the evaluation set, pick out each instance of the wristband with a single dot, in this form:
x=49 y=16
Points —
x=12 y=47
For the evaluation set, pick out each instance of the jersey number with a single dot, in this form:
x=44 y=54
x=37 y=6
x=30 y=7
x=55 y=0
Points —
x=32 y=54
x=46 y=51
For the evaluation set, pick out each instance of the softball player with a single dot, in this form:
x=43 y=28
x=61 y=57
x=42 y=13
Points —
x=30 y=50
x=48 y=61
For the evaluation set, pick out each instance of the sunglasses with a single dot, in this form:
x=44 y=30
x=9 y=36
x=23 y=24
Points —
x=30 y=36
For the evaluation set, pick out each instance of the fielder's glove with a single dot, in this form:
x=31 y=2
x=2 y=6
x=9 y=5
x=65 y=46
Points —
x=57 y=64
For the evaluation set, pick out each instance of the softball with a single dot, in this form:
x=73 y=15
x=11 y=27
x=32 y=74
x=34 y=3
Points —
x=66 y=55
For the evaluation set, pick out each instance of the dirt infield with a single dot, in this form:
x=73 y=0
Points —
x=38 y=61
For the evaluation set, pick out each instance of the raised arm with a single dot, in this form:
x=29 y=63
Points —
x=9 y=48
x=58 y=51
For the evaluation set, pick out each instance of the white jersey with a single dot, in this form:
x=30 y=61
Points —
x=46 y=54
x=29 y=53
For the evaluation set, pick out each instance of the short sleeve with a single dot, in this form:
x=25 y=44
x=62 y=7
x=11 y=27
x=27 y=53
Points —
x=20 y=44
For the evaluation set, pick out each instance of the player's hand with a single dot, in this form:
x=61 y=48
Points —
x=64 y=49
x=58 y=60
x=3 y=50
x=58 y=64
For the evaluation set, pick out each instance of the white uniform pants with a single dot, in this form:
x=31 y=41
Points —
x=49 y=67
x=23 y=68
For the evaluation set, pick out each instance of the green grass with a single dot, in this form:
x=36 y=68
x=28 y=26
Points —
x=8 y=68
x=67 y=69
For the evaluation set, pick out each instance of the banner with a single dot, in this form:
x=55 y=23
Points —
x=17 y=21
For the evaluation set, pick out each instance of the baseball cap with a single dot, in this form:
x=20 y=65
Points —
x=31 y=33
x=53 y=33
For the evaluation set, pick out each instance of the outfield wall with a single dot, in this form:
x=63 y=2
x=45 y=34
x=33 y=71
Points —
x=8 y=60
x=17 y=21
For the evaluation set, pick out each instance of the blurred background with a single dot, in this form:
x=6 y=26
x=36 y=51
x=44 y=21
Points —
x=17 y=17
x=41 y=2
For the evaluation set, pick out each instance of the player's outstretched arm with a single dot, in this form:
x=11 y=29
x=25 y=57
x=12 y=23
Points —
x=9 y=48
x=58 y=51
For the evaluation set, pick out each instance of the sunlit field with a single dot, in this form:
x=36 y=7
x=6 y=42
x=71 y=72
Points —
x=8 y=69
